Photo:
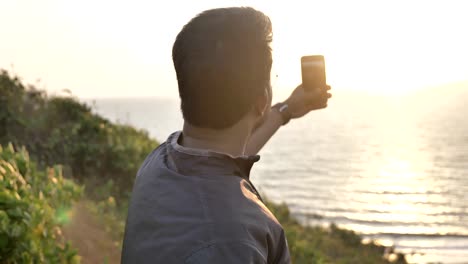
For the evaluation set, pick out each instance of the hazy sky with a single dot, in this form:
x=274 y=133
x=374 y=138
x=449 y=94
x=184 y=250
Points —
x=123 y=48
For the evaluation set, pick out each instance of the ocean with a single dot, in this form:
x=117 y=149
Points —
x=392 y=168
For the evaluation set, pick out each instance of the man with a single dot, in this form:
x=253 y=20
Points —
x=193 y=201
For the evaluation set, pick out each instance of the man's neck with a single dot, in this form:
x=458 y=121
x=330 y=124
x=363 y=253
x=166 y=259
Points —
x=229 y=141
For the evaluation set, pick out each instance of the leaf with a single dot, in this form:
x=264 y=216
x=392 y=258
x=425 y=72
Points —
x=3 y=241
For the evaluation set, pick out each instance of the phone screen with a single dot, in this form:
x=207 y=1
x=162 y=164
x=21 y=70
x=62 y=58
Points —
x=313 y=72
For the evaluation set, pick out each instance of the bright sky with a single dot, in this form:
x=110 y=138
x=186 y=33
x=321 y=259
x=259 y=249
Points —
x=123 y=48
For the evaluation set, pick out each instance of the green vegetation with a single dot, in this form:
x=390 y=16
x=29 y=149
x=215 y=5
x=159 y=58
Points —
x=309 y=244
x=112 y=212
x=33 y=205
x=93 y=151
x=104 y=157
x=61 y=130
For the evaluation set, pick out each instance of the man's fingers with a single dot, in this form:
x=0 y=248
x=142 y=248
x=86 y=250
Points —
x=317 y=98
x=325 y=88
x=312 y=95
x=316 y=95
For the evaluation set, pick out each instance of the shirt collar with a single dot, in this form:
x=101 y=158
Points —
x=201 y=161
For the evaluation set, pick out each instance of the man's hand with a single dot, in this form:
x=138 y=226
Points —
x=301 y=102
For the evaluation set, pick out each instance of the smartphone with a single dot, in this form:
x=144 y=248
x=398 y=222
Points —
x=313 y=72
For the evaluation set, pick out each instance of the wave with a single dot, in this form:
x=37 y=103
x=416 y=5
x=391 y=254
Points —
x=344 y=220
x=416 y=235
x=322 y=211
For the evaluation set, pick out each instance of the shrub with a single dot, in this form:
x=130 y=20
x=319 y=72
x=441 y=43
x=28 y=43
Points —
x=32 y=207
x=312 y=244
x=61 y=130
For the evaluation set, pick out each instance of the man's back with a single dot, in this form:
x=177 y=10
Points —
x=194 y=206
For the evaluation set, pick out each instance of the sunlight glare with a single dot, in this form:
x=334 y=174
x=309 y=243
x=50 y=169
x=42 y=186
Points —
x=386 y=48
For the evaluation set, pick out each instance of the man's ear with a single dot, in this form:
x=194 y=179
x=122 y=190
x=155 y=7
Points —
x=263 y=102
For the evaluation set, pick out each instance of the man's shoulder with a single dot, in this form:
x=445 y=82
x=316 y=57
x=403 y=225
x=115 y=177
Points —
x=154 y=156
x=155 y=162
x=240 y=212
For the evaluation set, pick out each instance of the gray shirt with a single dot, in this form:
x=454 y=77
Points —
x=195 y=206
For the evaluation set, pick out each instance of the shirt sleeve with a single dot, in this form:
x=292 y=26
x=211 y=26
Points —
x=228 y=253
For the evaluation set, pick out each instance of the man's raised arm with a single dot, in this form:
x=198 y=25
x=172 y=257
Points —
x=297 y=105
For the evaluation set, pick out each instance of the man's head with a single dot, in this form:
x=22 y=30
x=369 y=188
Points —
x=222 y=59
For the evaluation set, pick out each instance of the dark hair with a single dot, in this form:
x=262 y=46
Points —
x=222 y=59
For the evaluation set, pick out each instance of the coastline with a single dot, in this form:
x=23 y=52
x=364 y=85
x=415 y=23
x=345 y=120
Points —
x=119 y=148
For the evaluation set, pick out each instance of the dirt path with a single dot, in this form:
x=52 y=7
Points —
x=94 y=244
